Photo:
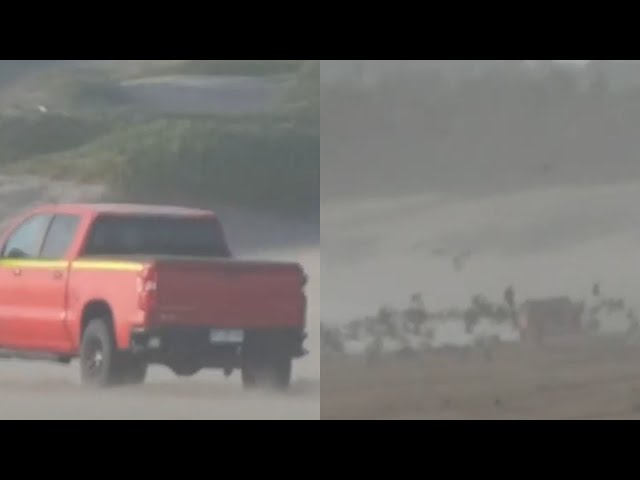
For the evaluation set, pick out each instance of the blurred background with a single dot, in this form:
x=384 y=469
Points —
x=443 y=183
x=497 y=159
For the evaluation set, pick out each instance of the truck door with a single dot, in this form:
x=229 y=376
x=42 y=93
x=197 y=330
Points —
x=18 y=257
x=47 y=312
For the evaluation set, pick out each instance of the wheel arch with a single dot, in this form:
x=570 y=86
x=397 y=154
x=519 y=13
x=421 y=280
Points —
x=94 y=309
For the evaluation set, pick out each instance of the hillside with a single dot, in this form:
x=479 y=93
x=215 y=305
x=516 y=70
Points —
x=200 y=131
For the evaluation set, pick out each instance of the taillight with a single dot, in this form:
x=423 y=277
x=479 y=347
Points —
x=147 y=288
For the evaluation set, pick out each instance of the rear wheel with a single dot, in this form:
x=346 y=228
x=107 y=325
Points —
x=98 y=355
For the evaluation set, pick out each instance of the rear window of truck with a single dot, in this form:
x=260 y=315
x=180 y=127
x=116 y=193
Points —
x=156 y=235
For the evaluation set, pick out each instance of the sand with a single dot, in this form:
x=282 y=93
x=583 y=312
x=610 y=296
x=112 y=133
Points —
x=570 y=378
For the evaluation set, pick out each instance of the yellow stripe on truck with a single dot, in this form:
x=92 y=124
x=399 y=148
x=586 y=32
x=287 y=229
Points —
x=28 y=263
x=77 y=265
x=104 y=265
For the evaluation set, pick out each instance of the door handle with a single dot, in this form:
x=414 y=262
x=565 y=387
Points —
x=17 y=272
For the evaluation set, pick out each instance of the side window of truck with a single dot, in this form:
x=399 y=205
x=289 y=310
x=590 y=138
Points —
x=26 y=239
x=59 y=237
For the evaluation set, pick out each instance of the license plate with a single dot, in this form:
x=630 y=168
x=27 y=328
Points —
x=226 y=336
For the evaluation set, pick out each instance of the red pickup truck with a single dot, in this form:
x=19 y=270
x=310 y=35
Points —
x=122 y=286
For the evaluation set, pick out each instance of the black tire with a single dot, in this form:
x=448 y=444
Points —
x=98 y=355
x=272 y=372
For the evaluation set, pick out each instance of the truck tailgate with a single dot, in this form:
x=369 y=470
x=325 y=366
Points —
x=229 y=294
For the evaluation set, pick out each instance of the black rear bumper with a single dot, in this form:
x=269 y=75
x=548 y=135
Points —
x=168 y=344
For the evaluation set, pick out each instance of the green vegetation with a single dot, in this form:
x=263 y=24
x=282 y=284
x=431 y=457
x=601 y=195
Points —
x=93 y=133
